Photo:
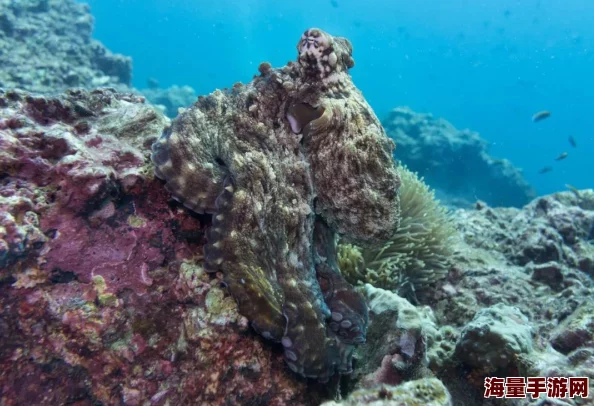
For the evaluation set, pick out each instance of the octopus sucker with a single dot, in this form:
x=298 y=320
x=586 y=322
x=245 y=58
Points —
x=349 y=315
x=261 y=158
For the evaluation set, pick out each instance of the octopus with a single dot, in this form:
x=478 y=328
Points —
x=286 y=165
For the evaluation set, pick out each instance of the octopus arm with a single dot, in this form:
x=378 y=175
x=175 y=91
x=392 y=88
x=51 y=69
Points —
x=310 y=349
x=188 y=156
x=238 y=249
x=349 y=314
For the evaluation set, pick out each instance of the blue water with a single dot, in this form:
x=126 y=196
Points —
x=484 y=65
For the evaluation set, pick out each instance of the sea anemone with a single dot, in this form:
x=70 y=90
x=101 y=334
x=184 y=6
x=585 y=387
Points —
x=417 y=256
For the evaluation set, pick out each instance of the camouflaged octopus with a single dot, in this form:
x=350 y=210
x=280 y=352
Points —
x=285 y=164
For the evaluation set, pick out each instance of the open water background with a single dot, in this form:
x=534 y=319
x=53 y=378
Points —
x=485 y=65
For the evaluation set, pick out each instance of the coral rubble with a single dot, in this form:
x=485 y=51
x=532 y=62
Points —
x=516 y=302
x=494 y=338
x=454 y=162
x=284 y=163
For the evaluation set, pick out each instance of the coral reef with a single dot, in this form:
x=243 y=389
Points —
x=417 y=256
x=106 y=298
x=535 y=260
x=46 y=47
x=496 y=314
x=103 y=294
x=284 y=163
x=445 y=156
x=171 y=99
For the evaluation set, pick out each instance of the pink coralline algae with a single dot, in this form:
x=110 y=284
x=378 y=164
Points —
x=103 y=296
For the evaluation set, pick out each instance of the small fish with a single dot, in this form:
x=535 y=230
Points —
x=562 y=156
x=546 y=169
x=334 y=3
x=575 y=190
x=507 y=13
x=541 y=115
x=572 y=141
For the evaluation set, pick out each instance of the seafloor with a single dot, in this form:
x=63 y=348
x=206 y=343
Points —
x=104 y=299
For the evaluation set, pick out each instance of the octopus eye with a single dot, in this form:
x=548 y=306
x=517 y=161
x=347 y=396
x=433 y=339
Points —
x=301 y=114
x=220 y=162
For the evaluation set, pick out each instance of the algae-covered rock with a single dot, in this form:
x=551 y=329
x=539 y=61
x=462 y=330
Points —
x=576 y=331
x=495 y=338
x=398 y=336
x=103 y=294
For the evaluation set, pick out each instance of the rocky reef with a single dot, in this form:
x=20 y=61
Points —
x=517 y=302
x=425 y=392
x=107 y=296
x=46 y=47
x=104 y=295
x=455 y=162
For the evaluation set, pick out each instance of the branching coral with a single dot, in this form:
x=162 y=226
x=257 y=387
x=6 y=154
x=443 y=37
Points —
x=416 y=256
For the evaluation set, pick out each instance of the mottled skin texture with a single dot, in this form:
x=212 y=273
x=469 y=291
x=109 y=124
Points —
x=285 y=163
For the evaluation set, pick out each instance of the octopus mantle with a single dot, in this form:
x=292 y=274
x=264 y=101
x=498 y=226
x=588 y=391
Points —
x=285 y=164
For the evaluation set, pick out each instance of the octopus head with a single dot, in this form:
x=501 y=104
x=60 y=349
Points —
x=321 y=54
